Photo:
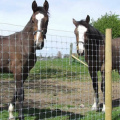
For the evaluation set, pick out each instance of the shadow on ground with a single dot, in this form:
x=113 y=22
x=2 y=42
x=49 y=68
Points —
x=56 y=113
x=47 y=113
x=115 y=103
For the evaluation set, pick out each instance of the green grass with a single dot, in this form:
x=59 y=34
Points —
x=55 y=69
x=60 y=69
x=101 y=116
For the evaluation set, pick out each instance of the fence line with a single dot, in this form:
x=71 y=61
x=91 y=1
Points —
x=24 y=26
x=58 y=82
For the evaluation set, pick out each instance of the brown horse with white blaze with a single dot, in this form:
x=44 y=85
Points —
x=92 y=43
x=18 y=52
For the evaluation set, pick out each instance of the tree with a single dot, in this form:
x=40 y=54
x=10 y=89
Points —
x=108 y=21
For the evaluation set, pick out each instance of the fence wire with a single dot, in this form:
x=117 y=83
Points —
x=54 y=89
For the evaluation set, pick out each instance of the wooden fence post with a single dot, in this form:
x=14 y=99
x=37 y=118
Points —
x=70 y=58
x=108 y=72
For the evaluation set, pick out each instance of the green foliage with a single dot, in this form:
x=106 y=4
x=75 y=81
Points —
x=109 y=20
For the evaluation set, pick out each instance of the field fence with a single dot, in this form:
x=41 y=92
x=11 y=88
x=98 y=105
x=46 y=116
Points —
x=54 y=89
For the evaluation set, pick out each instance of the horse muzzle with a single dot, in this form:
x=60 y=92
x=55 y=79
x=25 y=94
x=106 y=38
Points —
x=80 y=52
x=39 y=45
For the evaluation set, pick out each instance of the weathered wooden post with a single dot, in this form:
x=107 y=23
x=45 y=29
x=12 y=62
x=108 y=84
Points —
x=108 y=79
x=71 y=47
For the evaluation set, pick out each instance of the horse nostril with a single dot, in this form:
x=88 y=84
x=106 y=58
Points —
x=34 y=43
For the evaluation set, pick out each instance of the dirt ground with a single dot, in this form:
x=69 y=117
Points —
x=70 y=96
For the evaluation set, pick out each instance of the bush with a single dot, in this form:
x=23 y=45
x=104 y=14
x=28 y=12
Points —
x=108 y=21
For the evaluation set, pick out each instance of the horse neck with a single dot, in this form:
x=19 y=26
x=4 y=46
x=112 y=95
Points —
x=28 y=28
x=28 y=37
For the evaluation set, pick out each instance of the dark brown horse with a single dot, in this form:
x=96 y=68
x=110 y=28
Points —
x=18 y=52
x=91 y=42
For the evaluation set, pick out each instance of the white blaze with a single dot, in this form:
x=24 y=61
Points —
x=81 y=31
x=39 y=17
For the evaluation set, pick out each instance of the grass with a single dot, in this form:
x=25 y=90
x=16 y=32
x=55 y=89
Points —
x=57 y=68
x=101 y=116
x=61 y=70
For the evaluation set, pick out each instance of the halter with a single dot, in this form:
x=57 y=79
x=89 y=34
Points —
x=42 y=31
x=81 y=42
x=38 y=31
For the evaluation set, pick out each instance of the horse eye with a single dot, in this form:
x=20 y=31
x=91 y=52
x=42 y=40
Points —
x=32 y=21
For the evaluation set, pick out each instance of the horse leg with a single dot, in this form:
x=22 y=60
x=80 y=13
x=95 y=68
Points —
x=19 y=91
x=103 y=89
x=11 y=106
x=94 y=78
x=20 y=95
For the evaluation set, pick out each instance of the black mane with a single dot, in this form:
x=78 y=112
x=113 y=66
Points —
x=93 y=34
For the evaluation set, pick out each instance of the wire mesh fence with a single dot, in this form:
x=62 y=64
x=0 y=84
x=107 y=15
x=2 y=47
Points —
x=54 y=89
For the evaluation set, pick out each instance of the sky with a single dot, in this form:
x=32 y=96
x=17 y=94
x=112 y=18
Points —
x=18 y=12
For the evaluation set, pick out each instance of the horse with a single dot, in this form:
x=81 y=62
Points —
x=18 y=52
x=91 y=43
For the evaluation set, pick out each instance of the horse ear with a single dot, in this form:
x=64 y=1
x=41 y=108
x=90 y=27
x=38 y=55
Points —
x=88 y=19
x=75 y=22
x=34 y=6
x=46 y=5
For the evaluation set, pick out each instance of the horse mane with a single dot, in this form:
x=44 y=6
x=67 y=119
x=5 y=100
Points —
x=95 y=35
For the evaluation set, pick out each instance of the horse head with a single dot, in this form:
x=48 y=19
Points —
x=40 y=20
x=80 y=32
